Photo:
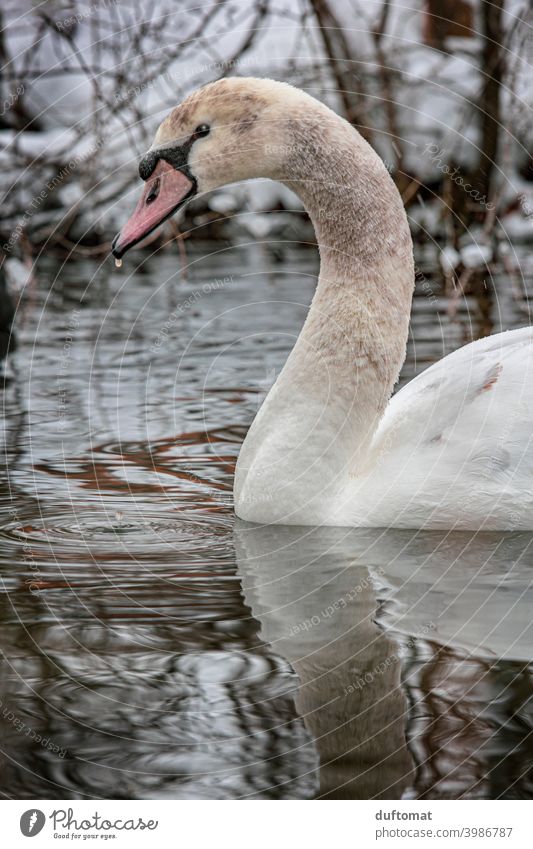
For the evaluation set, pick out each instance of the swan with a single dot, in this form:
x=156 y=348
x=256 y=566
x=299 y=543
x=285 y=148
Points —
x=330 y=446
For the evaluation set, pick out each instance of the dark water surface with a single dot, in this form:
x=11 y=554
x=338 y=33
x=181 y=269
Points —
x=152 y=646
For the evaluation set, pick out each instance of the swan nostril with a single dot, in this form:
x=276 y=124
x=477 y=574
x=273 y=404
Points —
x=154 y=191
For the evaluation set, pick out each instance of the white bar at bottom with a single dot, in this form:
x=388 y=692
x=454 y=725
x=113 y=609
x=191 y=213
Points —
x=232 y=825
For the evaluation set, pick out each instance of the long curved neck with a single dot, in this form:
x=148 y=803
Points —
x=327 y=402
x=359 y=318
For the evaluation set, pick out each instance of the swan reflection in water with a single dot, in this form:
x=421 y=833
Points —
x=317 y=607
x=319 y=663
x=395 y=633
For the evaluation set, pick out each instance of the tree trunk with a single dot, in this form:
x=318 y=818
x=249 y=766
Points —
x=342 y=64
x=490 y=100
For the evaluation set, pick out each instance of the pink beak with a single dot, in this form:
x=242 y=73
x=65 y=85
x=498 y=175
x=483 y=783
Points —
x=166 y=189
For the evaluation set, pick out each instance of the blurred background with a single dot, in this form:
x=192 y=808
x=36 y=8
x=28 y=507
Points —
x=441 y=88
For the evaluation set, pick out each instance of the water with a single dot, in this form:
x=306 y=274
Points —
x=152 y=646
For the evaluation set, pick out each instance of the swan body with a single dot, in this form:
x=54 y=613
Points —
x=454 y=449
x=329 y=445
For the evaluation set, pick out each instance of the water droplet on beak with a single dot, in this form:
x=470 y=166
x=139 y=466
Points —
x=118 y=263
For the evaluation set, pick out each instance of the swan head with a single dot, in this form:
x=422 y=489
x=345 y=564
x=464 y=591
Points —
x=230 y=130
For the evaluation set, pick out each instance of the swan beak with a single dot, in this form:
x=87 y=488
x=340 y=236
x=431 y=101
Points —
x=165 y=191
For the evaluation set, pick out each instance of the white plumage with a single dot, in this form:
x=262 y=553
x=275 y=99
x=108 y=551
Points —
x=328 y=446
x=454 y=448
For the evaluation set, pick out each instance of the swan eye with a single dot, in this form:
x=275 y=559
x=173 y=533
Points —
x=201 y=131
